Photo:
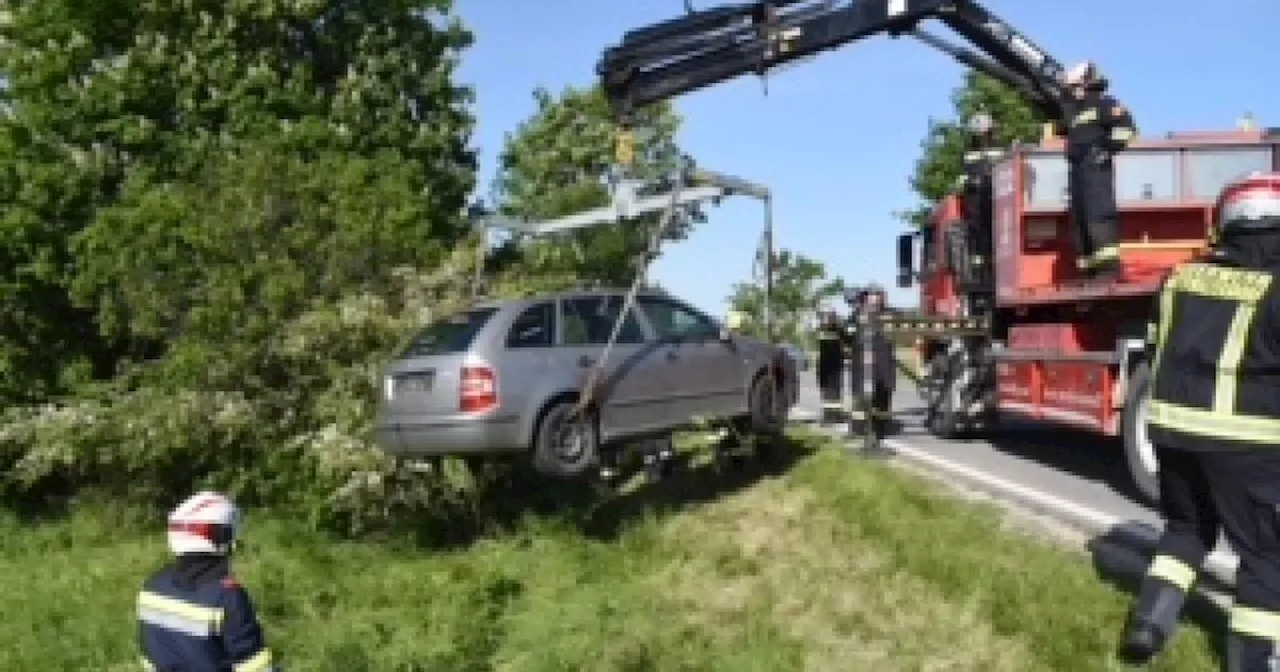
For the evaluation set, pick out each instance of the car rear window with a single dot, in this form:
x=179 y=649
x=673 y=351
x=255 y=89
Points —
x=448 y=335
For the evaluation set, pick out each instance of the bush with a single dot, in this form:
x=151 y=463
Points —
x=301 y=443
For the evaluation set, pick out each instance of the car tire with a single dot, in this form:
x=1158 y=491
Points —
x=1140 y=454
x=566 y=444
x=767 y=411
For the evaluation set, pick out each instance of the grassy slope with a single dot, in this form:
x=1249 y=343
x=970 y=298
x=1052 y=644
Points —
x=832 y=565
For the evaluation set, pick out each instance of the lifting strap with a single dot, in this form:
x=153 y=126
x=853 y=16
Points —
x=587 y=396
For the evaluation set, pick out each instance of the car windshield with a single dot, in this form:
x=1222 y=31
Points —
x=449 y=334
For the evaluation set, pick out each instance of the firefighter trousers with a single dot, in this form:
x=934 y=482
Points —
x=1237 y=492
x=1093 y=212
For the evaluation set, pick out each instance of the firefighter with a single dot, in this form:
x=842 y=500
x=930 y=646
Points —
x=194 y=614
x=1097 y=127
x=975 y=184
x=1214 y=419
x=830 y=369
x=870 y=303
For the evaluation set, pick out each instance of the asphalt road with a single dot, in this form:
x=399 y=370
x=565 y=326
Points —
x=1075 y=466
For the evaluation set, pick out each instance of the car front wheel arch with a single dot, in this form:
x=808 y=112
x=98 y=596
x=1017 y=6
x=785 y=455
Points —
x=565 y=442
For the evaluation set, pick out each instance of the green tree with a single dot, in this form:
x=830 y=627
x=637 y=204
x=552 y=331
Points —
x=123 y=117
x=558 y=163
x=942 y=150
x=800 y=287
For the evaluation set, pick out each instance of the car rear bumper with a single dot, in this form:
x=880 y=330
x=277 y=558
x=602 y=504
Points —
x=416 y=436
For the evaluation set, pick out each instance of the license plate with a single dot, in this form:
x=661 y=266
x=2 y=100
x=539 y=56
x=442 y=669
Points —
x=414 y=383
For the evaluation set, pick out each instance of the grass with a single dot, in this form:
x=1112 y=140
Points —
x=826 y=564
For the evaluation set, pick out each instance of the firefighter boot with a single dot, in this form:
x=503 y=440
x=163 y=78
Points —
x=1247 y=654
x=1152 y=621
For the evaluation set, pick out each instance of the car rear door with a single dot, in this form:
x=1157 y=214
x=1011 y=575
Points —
x=633 y=381
x=706 y=376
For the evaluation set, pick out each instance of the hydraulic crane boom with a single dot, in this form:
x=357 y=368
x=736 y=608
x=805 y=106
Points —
x=706 y=47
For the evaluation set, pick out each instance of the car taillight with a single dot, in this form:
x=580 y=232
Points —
x=477 y=389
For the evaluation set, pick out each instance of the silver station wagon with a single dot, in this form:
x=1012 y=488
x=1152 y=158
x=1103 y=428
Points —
x=504 y=377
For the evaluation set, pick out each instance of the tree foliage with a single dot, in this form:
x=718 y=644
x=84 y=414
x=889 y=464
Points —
x=942 y=150
x=123 y=115
x=558 y=163
x=800 y=287
x=231 y=213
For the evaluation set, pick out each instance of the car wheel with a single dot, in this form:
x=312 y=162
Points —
x=1144 y=469
x=566 y=443
x=767 y=409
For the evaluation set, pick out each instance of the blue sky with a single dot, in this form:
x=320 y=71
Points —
x=836 y=137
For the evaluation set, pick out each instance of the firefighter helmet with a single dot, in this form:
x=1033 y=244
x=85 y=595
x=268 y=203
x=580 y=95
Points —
x=1080 y=73
x=207 y=522
x=981 y=123
x=1249 y=203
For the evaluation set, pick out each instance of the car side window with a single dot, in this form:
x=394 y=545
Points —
x=589 y=320
x=534 y=328
x=672 y=321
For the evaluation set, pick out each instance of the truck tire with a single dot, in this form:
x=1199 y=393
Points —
x=565 y=446
x=1138 y=451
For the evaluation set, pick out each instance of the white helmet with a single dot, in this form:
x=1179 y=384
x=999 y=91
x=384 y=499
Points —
x=981 y=123
x=1082 y=74
x=207 y=522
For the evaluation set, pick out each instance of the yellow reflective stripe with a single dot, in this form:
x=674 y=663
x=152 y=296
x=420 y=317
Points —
x=1218 y=282
x=1166 y=318
x=1173 y=570
x=1085 y=117
x=1201 y=422
x=261 y=662
x=1224 y=390
x=1256 y=623
x=167 y=612
x=1109 y=252
x=832 y=405
x=1122 y=134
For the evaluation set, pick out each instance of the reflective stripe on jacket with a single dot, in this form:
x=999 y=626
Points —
x=1216 y=359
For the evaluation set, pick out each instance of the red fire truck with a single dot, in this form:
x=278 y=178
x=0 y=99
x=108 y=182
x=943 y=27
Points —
x=1024 y=335
x=1050 y=345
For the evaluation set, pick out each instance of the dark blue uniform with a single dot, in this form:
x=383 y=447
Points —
x=193 y=616
x=1215 y=423
x=1098 y=128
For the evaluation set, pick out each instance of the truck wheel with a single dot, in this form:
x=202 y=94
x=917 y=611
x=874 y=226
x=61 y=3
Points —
x=1138 y=451
x=565 y=444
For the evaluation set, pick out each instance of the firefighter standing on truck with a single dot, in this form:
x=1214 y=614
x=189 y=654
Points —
x=1097 y=127
x=1214 y=419
x=194 y=614
x=870 y=303
x=975 y=184
x=830 y=369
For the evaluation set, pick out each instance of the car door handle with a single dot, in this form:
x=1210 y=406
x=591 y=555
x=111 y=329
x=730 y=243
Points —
x=672 y=356
x=585 y=361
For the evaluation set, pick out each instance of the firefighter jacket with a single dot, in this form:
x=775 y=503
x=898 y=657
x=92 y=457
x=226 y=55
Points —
x=1097 y=122
x=830 y=346
x=193 y=616
x=1215 y=353
x=884 y=368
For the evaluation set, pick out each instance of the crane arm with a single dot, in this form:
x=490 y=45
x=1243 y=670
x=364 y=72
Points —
x=629 y=202
x=704 y=48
